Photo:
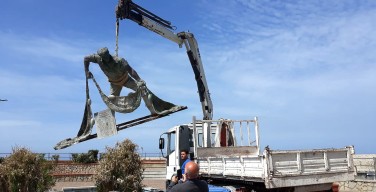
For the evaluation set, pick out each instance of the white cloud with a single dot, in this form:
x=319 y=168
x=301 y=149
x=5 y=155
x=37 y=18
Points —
x=11 y=124
x=39 y=48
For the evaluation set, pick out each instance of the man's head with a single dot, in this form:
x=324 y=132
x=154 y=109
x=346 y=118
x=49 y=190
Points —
x=104 y=53
x=184 y=154
x=191 y=170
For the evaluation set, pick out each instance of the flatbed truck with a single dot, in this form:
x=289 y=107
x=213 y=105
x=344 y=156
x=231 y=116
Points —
x=234 y=158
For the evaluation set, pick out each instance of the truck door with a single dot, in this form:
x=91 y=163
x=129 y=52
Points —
x=185 y=140
x=177 y=140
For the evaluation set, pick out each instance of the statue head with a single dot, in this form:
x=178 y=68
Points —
x=104 y=54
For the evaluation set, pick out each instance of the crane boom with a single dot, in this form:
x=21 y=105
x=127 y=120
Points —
x=126 y=9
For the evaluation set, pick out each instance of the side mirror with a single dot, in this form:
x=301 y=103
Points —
x=161 y=143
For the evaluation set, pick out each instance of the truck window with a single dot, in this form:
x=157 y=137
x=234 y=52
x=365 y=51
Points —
x=212 y=139
x=199 y=140
x=191 y=138
x=171 y=145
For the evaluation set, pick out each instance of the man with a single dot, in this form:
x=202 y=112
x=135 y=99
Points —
x=117 y=70
x=184 y=158
x=190 y=183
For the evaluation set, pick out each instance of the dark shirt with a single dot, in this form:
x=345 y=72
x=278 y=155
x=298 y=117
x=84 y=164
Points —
x=193 y=185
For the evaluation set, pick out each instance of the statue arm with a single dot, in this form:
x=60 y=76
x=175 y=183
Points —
x=94 y=58
x=90 y=58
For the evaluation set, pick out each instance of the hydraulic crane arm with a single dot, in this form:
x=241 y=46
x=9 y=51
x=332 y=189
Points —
x=126 y=9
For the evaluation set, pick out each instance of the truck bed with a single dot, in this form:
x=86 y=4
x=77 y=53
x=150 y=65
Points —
x=277 y=168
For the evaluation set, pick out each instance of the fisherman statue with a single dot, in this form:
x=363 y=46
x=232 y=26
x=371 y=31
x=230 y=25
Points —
x=120 y=74
x=117 y=70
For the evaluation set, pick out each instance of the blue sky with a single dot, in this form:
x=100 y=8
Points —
x=307 y=69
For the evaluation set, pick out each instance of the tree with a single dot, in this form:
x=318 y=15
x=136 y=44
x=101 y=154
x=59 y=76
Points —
x=120 y=168
x=90 y=157
x=25 y=171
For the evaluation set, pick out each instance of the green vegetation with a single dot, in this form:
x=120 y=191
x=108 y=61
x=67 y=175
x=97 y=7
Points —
x=25 y=171
x=55 y=158
x=120 y=168
x=90 y=157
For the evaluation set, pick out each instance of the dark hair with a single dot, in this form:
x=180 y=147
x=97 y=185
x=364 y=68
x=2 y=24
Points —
x=185 y=151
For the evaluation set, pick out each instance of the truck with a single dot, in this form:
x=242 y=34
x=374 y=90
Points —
x=234 y=159
x=228 y=151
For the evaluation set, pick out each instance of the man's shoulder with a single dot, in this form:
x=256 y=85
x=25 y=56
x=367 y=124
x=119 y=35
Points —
x=185 y=185
x=185 y=162
x=200 y=182
x=192 y=185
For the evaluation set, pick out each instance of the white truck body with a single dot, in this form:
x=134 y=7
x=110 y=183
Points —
x=303 y=170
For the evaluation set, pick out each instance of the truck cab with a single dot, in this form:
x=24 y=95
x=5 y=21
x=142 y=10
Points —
x=196 y=138
x=179 y=138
